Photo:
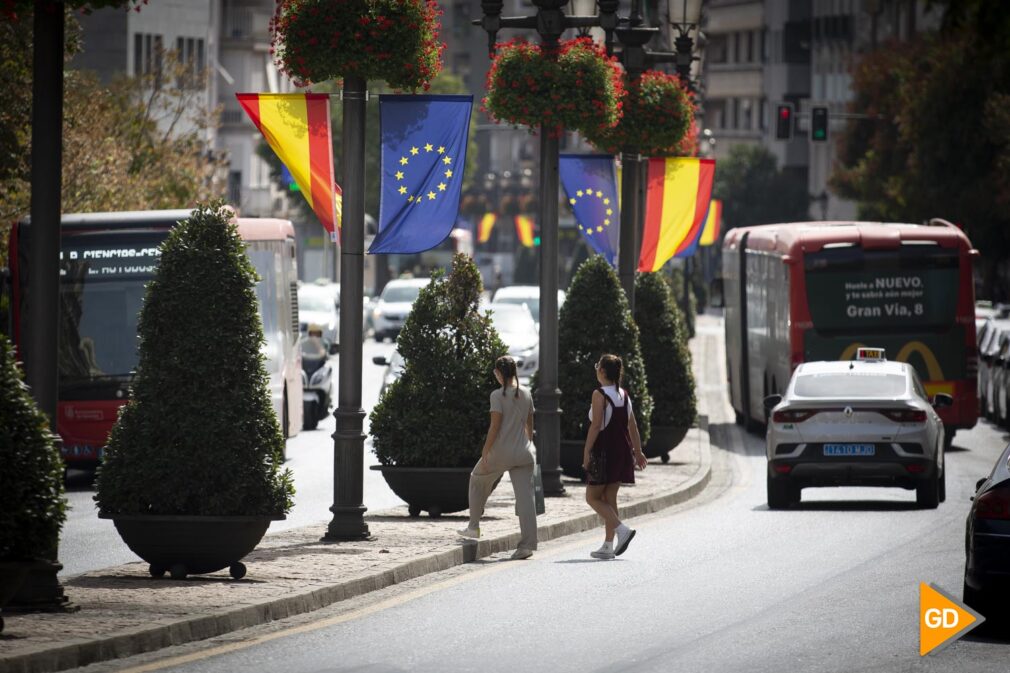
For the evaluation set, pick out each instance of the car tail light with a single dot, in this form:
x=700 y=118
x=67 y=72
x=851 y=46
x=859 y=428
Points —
x=793 y=415
x=783 y=469
x=994 y=504
x=904 y=415
x=915 y=468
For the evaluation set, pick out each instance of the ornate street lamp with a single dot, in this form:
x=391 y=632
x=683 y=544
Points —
x=550 y=22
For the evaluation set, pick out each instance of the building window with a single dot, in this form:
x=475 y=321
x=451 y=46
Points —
x=190 y=53
x=748 y=116
x=715 y=51
x=736 y=47
x=235 y=187
x=762 y=112
x=734 y=104
x=147 y=54
x=750 y=46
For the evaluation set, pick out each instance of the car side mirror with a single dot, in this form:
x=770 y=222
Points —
x=942 y=400
x=772 y=401
x=380 y=360
x=978 y=484
x=715 y=293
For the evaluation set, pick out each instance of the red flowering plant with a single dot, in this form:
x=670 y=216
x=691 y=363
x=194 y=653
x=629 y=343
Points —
x=658 y=115
x=577 y=88
x=391 y=40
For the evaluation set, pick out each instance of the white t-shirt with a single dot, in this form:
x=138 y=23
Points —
x=616 y=398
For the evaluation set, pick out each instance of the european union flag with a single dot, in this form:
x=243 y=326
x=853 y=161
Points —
x=591 y=185
x=424 y=142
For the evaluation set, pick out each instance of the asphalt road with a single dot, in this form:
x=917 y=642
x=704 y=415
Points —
x=89 y=543
x=719 y=584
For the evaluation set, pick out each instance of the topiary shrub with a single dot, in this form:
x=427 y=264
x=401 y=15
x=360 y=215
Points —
x=32 y=507
x=676 y=281
x=199 y=435
x=665 y=352
x=595 y=319
x=436 y=413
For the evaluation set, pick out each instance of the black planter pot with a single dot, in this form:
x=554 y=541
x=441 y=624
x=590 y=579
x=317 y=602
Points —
x=12 y=574
x=435 y=490
x=191 y=545
x=662 y=440
x=571 y=458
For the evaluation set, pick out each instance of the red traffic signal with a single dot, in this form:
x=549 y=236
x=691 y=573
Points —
x=784 y=122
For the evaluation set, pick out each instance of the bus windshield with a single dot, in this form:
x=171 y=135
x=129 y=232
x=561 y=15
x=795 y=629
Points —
x=852 y=290
x=102 y=289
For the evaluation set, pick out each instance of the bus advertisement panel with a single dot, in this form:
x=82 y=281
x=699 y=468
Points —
x=106 y=261
x=819 y=290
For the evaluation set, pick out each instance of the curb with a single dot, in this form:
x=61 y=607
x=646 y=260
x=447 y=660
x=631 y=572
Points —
x=198 y=626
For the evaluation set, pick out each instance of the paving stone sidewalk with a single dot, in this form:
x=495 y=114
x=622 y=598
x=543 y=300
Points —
x=123 y=611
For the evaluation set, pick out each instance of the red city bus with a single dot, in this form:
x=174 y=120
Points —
x=106 y=260
x=811 y=291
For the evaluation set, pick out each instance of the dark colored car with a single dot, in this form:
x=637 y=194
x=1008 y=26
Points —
x=987 y=540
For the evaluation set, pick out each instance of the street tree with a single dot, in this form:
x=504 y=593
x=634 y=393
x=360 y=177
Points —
x=755 y=191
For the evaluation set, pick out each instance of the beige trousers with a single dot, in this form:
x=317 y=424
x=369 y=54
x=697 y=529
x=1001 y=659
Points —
x=481 y=486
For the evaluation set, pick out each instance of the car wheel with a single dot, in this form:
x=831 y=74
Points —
x=943 y=484
x=780 y=493
x=927 y=491
x=975 y=599
x=284 y=426
x=311 y=416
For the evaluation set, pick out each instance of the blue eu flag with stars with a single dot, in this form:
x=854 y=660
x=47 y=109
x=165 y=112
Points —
x=424 y=142
x=591 y=186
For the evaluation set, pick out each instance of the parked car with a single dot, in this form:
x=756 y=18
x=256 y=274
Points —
x=992 y=352
x=868 y=422
x=524 y=294
x=987 y=542
x=394 y=368
x=318 y=304
x=516 y=328
x=394 y=304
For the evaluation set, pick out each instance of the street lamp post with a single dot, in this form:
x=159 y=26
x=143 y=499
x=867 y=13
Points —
x=550 y=22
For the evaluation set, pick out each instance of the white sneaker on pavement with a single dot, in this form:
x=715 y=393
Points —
x=471 y=533
x=624 y=539
x=520 y=554
x=606 y=552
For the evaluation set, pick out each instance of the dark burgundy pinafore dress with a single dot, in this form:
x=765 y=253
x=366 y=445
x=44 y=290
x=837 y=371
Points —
x=615 y=440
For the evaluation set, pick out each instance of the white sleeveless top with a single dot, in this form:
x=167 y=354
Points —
x=615 y=396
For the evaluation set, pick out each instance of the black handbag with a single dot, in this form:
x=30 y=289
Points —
x=597 y=471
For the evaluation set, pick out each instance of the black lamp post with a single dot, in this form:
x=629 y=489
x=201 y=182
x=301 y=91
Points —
x=550 y=22
x=636 y=59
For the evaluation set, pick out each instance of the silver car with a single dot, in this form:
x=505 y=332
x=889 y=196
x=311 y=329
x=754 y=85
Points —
x=867 y=422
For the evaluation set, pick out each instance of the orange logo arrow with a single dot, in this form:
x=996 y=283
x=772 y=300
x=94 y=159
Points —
x=942 y=619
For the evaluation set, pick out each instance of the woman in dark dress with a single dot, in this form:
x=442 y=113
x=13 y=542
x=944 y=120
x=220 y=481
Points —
x=612 y=452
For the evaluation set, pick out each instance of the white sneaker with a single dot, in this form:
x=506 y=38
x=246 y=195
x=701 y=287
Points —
x=605 y=552
x=624 y=540
x=520 y=554
x=471 y=533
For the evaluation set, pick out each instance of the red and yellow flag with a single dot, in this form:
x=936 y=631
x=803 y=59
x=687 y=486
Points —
x=297 y=128
x=485 y=226
x=524 y=230
x=713 y=224
x=678 y=190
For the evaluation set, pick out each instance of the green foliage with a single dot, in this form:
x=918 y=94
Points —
x=579 y=88
x=595 y=320
x=391 y=40
x=675 y=279
x=199 y=435
x=754 y=191
x=664 y=349
x=657 y=113
x=436 y=413
x=32 y=507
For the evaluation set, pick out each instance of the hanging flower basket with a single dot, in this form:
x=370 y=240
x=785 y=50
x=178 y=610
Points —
x=658 y=115
x=391 y=40
x=580 y=90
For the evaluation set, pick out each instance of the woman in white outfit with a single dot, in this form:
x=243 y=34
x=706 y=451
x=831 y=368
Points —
x=508 y=448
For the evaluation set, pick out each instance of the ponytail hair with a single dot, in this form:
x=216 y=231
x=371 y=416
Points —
x=506 y=366
x=613 y=368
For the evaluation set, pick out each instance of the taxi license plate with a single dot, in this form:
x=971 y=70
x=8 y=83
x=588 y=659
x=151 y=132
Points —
x=849 y=449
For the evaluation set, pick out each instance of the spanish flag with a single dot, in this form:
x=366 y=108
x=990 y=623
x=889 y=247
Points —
x=485 y=226
x=524 y=230
x=297 y=128
x=713 y=223
x=678 y=191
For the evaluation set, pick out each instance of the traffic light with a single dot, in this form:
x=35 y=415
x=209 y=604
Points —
x=819 y=124
x=784 y=122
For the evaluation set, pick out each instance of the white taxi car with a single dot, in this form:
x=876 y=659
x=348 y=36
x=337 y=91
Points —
x=867 y=422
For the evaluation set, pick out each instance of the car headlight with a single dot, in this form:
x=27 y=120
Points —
x=318 y=376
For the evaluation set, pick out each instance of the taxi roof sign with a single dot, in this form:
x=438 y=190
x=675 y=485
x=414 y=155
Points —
x=870 y=354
